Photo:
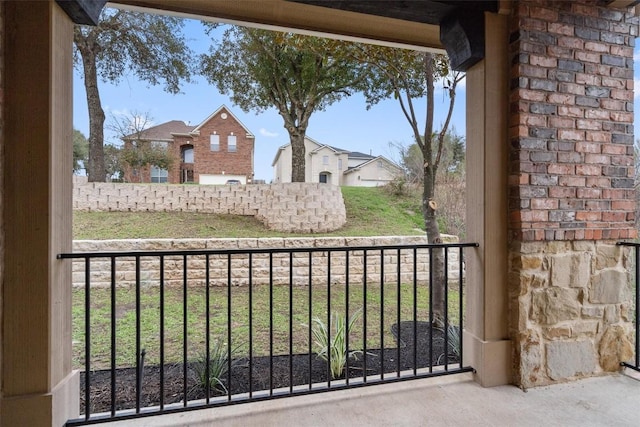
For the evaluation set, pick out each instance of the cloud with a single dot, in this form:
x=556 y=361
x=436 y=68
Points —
x=636 y=55
x=636 y=87
x=116 y=112
x=267 y=133
x=135 y=119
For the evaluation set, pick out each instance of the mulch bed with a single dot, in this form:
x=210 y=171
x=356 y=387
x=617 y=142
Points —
x=285 y=371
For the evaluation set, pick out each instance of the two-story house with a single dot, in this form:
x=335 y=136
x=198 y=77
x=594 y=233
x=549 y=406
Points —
x=327 y=164
x=217 y=151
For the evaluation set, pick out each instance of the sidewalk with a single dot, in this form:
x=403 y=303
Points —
x=446 y=401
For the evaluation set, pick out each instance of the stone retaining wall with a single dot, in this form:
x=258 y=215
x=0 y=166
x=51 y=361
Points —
x=239 y=275
x=574 y=309
x=293 y=207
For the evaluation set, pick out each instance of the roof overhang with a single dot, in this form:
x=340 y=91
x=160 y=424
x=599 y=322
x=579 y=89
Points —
x=621 y=4
x=305 y=18
x=436 y=25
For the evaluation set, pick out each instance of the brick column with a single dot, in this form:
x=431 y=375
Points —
x=571 y=192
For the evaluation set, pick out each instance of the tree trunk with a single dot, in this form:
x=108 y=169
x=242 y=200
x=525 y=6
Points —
x=438 y=297
x=297 y=156
x=429 y=207
x=96 y=170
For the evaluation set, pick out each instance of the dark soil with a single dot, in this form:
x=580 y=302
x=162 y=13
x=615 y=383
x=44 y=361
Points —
x=276 y=372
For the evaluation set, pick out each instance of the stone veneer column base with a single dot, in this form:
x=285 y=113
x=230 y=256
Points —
x=44 y=410
x=490 y=359
x=571 y=310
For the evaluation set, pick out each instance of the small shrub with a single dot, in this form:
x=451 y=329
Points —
x=218 y=366
x=454 y=337
x=333 y=348
x=397 y=187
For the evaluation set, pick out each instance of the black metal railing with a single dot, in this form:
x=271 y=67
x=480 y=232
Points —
x=635 y=363
x=168 y=331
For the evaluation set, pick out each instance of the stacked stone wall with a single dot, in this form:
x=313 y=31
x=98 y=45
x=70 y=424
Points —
x=574 y=303
x=293 y=207
x=264 y=269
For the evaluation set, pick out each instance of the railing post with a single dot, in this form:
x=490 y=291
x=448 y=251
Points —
x=636 y=301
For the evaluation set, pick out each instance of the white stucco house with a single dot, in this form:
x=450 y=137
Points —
x=327 y=164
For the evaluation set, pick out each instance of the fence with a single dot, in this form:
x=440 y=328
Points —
x=148 y=350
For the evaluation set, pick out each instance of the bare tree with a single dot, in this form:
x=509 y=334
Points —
x=410 y=77
x=139 y=151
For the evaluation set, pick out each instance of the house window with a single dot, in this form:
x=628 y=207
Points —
x=214 y=141
x=159 y=175
x=325 y=160
x=232 y=144
x=380 y=165
x=160 y=145
x=339 y=164
x=187 y=154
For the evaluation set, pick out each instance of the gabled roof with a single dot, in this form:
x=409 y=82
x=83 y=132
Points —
x=226 y=110
x=358 y=155
x=334 y=149
x=166 y=131
x=370 y=161
x=366 y=158
x=162 y=132
x=319 y=146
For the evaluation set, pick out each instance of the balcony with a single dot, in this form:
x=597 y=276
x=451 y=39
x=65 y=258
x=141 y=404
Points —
x=205 y=328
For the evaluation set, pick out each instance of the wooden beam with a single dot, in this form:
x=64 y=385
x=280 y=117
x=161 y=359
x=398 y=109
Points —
x=86 y=12
x=462 y=35
x=280 y=14
x=486 y=345
x=622 y=4
x=425 y=11
x=39 y=387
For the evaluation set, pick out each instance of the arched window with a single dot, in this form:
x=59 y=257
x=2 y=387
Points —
x=187 y=154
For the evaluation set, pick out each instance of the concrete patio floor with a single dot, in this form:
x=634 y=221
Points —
x=447 y=401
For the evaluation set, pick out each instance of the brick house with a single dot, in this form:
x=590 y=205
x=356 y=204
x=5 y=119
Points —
x=217 y=150
x=327 y=164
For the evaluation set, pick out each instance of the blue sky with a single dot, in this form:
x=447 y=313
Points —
x=346 y=124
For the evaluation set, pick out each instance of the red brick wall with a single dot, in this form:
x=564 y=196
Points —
x=571 y=128
x=206 y=161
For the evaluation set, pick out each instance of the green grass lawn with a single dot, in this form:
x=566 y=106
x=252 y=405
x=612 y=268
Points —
x=196 y=319
x=370 y=212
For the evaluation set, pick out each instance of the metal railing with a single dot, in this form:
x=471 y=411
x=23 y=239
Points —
x=635 y=363
x=203 y=328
